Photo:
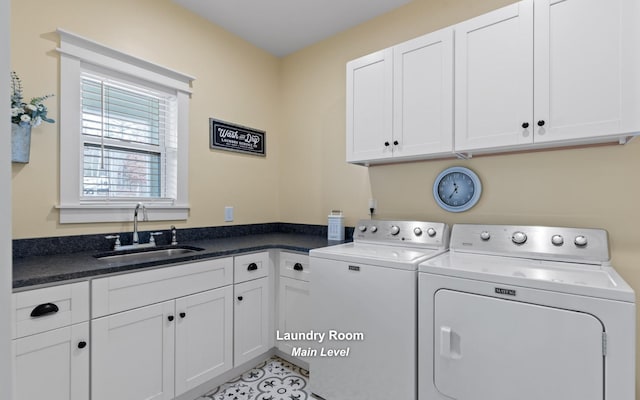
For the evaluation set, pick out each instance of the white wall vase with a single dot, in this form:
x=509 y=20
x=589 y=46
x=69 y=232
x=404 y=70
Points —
x=20 y=143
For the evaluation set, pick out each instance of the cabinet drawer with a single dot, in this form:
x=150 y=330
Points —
x=124 y=292
x=40 y=310
x=250 y=266
x=295 y=266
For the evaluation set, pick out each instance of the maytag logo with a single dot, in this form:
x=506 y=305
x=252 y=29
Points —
x=508 y=292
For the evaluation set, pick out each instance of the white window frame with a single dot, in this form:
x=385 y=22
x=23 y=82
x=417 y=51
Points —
x=76 y=52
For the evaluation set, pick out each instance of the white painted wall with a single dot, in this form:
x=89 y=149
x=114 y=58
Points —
x=5 y=210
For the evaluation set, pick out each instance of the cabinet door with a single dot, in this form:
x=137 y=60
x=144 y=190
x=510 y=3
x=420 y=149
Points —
x=251 y=320
x=53 y=365
x=494 y=79
x=423 y=95
x=204 y=332
x=133 y=354
x=294 y=311
x=586 y=63
x=370 y=107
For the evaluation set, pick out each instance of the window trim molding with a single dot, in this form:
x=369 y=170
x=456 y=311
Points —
x=76 y=51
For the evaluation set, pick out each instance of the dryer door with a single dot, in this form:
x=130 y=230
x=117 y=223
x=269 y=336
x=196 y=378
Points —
x=491 y=348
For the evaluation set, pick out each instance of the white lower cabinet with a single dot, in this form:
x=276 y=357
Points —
x=293 y=300
x=53 y=365
x=251 y=320
x=51 y=343
x=253 y=307
x=162 y=350
x=160 y=333
x=155 y=334
x=294 y=313
x=133 y=354
x=204 y=332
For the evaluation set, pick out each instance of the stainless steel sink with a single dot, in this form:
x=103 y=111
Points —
x=147 y=254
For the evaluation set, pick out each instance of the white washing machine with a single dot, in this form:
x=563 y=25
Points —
x=527 y=313
x=367 y=291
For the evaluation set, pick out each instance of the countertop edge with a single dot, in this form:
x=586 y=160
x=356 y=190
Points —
x=40 y=277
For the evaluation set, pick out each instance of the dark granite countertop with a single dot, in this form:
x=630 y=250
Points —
x=55 y=269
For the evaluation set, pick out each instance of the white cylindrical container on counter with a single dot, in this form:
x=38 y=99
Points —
x=335 y=229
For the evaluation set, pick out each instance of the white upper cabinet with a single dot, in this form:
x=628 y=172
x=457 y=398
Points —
x=531 y=75
x=400 y=101
x=494 y=79
x=369 y=107
x=542 y=73
x=423 y=96
x=586 y=69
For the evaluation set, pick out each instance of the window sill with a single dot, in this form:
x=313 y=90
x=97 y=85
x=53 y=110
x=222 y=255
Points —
x=79 y=214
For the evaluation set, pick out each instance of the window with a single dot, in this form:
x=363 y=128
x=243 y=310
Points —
x=124 y=135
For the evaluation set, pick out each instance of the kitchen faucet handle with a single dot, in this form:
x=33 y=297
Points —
x=117 y=243
x=152 y=237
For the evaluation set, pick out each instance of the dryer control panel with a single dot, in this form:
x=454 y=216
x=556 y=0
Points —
x=583 y=245
x=403 y=233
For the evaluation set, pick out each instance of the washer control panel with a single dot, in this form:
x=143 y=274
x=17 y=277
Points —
x=407 y=233
x=535 y=242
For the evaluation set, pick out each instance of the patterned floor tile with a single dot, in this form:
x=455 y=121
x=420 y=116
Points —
x=274 y=379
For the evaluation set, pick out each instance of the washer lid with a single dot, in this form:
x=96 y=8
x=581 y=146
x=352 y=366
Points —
x=582 y=279
x=376 y=254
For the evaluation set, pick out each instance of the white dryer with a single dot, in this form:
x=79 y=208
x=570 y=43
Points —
x=526 y=313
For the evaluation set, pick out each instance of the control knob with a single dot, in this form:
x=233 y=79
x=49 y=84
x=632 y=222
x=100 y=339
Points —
x=431 y=232
x=557 y=240
x=417 y=231
x=485 y=235
x=394 y=230
x=519 y=237
x=362 y=228
x=374 y=229
x=580 y=241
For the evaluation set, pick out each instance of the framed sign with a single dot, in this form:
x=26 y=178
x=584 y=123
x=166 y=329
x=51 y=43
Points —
x=231 y=137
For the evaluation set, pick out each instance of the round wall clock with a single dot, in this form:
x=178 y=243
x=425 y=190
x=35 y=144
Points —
x=457 y=189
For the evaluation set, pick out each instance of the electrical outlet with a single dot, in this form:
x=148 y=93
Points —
x=373 y=204
x=228 y=214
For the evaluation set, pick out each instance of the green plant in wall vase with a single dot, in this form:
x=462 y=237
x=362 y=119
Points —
x=24 y=116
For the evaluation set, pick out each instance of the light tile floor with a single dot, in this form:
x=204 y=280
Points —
x=274 y=379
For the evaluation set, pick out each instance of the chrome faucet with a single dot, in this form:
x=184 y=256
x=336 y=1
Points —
x=135 y=221
x=174 y=236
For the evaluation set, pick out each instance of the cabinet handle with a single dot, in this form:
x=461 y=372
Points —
x=170 y=318
x=395 y=143
x=183 y=314
x=298 y=267
x=239 y=298
x=541 y=122
x=252 y=267
x=44 y=309
x=82 y=344
x=525 y=125
x=386 y=144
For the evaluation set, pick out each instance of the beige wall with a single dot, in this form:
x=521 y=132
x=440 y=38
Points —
x=300 y=101
x=587 y=187
x=234 y=81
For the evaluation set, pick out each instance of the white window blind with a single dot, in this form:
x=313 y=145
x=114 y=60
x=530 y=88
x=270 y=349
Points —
x=129 y=140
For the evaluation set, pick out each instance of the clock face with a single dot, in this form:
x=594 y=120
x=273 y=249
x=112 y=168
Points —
x=457 y=189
